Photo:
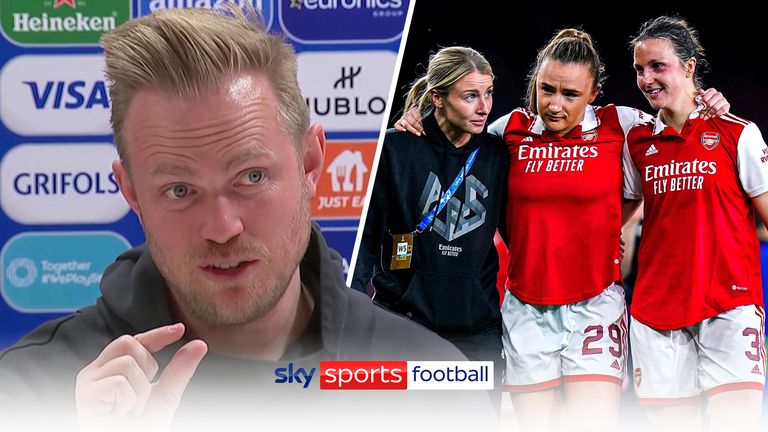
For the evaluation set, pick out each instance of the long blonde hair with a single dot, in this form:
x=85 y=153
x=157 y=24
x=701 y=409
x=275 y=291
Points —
x=446 y=66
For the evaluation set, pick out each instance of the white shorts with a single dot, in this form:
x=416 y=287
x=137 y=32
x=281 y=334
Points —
x=719 y=354
x=546 y=345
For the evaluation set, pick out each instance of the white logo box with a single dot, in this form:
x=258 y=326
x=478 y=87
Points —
x=346 y=90
x=55 y=95
x=60 y=184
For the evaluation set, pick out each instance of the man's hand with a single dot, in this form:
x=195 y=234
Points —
x=410 y=122
x=116 y=391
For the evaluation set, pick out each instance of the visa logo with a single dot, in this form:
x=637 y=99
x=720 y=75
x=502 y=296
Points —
x=44 y=95
x=290 y=375
x=72 y=95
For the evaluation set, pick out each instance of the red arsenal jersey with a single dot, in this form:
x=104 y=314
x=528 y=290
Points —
x=699 y=254
x=564 y=204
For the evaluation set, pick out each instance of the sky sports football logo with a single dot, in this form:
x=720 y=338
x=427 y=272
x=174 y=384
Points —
x=61 y=22
x=391 y=375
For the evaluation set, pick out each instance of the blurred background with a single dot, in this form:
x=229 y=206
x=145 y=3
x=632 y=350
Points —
x=732 y=37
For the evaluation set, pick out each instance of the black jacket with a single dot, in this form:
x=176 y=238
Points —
x=37 y=375
x=451 y=284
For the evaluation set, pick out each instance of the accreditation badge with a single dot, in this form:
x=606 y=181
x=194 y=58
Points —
x=402 y=249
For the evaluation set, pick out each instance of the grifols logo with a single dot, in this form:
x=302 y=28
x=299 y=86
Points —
x=60 y=184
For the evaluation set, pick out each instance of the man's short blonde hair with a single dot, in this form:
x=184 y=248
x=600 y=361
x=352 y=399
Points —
x=189 y=52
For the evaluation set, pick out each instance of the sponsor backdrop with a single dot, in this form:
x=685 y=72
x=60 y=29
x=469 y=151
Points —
x=62 y=218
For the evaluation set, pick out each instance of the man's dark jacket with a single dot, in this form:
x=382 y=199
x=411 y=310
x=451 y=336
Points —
x=37 y=375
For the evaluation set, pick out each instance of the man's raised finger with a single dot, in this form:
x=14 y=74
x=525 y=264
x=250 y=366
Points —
x=156 y=339
x=175 y=377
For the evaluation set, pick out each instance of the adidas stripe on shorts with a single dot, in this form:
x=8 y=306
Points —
x=547 y=345
x=719 y=354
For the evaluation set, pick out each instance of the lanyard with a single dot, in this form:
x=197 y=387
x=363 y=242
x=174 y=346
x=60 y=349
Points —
x=430 y=217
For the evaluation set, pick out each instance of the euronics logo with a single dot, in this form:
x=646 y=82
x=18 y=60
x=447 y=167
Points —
x=343 y=21
x=56 y=271
x=61 y=22
x=146 y=7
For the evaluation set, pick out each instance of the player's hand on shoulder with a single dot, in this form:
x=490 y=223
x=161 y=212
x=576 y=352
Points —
x=715 y=103
x=410 y=122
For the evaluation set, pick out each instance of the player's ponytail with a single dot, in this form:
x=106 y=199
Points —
x=567 y=46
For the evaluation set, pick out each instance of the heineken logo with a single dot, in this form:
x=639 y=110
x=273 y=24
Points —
x=24 y=22
x=61 y=22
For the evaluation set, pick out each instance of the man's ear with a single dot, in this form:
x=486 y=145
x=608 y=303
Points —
x=126 y=187
x=314 y=156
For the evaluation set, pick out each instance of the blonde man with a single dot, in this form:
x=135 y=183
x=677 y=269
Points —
x=225 y=314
